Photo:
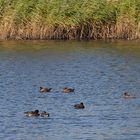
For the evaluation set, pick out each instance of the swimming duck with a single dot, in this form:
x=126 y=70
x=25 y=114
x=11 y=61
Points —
x=128 y=96
x=79 y=106
x=43 y=89
x=68 y=90
x=45 y=114
x=32 y=113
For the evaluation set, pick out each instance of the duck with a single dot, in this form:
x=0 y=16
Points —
x=32 y=113
x=126 y=95
x=68 y=90
x=44 y=114
x=43 y=89
x=79 y=106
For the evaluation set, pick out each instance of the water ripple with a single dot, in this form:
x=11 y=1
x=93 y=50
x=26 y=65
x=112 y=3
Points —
x=99 y=75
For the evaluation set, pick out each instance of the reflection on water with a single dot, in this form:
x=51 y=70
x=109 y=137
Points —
x=99 y=71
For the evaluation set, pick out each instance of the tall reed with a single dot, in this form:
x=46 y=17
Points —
x=69 y=19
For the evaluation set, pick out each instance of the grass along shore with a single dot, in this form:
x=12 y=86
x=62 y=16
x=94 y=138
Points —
x=69 y=19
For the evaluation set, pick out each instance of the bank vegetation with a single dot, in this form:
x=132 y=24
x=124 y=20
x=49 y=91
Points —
x=69 y=19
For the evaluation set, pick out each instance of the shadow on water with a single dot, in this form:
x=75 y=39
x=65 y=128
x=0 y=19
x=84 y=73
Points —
x=99 y=71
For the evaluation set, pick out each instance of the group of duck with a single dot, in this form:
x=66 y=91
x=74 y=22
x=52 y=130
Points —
x=37 y=113
x=65 y=89
x=81 y=105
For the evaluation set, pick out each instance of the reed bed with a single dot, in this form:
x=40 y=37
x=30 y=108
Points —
x=69 y=19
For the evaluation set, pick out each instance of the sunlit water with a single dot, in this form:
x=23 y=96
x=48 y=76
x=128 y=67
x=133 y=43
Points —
x=99 y=71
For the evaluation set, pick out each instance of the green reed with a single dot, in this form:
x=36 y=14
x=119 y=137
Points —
x=69 y=19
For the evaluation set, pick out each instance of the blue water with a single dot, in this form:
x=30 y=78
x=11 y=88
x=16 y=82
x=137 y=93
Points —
x=100 y=72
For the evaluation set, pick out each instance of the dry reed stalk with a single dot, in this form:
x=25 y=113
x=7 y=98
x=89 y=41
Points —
x=122 y=29
x=138 y=31
x=125 y=28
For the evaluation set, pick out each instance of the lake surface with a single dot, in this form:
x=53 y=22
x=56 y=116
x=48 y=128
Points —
x=99 y=71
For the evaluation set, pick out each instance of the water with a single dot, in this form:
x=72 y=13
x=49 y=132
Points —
x=99 y=71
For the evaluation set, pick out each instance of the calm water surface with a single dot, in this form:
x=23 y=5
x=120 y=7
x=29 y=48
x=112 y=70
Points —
x=99 y=71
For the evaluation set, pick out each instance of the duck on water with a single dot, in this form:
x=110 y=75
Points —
x=79 y=106
x=126 y=95
x=43 y=89
x=68 y=90
x=32 y=113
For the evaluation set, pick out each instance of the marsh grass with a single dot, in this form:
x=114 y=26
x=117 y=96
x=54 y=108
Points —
x=69 y=19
